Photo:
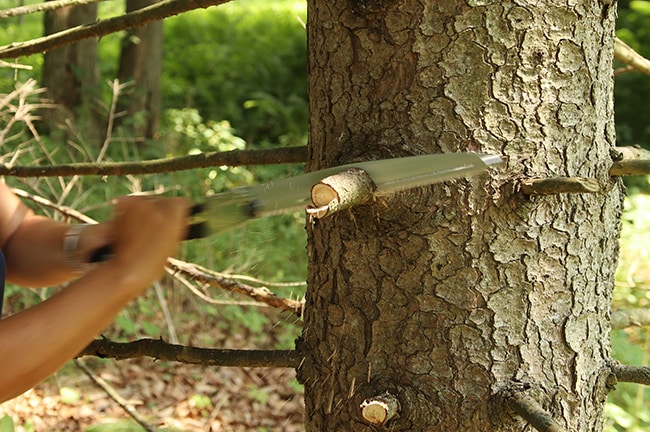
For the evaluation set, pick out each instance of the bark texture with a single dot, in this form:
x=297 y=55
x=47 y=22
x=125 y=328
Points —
x=141 y=63
x=70 y=73
x=449 y=295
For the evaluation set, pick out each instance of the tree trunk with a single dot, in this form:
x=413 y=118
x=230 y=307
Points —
x=70 y=73
x=448 y=298
x=141 y=64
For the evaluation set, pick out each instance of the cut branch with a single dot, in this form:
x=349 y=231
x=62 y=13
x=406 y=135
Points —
x=158 y=11
x=624 y=53
x=636 y=317
x=161 y=350
x=559 y=185
x=632 y=374
x=202 y=160
x=531 y=411
x=380 y=409
x=340 y=191
x=262 y=294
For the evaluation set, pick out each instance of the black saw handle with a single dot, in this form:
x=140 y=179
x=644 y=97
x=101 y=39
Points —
x=195 y=230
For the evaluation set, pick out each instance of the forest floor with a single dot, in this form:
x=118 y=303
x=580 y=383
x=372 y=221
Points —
x=169 y=397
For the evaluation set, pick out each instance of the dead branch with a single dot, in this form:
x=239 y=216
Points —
x=160 y=350
x=64 y=210
x=624 y=53
x=632 y=374
x=559 y=185
x=156 y=12
x=630 y=167
x=110 y=391
x=203 y=275
x=202 y=160
x=531 y=411
x=42 y=7
x=635 y=317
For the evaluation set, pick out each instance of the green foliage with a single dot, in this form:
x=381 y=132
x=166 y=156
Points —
x=632 y=90
x=624 y=411
x=244 y=62
x=7 y=424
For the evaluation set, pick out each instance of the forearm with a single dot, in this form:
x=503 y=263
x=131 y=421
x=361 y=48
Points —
x=60 y=327
x=37 y=244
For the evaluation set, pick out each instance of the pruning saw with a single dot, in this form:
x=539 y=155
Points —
x=237 y=206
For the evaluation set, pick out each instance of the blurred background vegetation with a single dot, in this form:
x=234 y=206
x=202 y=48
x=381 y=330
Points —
x=234 y=77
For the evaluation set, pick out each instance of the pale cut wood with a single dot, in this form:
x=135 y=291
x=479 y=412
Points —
x=340 y=191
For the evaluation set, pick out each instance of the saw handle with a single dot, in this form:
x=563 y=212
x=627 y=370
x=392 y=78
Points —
x=195 y=231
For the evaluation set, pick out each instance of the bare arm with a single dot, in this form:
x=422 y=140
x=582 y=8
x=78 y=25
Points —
x=32 y=244
x=38 y=341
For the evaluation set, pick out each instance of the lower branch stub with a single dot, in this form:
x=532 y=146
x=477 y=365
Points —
x=380 y=409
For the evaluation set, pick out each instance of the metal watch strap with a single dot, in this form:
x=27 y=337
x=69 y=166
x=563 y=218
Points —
x=71 y=249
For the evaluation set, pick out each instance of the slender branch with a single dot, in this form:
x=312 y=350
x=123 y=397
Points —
x=161 y=350
x=42 y=7
x=202 y=160
x=624 y=53
x=558 y=185
x=263 y=295
x=158 y=11
x=110 y=391
x=531 y=411
x=632 y=374
x=635 y=317
x=64 y=210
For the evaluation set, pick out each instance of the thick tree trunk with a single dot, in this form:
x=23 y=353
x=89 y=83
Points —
x=70 y=73
x=141 y=63
x=449 y=296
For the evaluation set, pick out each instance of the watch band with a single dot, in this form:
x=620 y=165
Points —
x=71 y=249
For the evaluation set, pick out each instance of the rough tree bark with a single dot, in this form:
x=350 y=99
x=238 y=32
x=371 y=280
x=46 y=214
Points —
x=141 y=63
x=449 y=298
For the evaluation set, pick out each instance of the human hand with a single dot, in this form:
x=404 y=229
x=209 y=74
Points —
x=143 y=234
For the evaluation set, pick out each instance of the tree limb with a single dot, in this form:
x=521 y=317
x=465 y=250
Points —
x=161 y=350
x=632 y=374
x=635 y=317
x=202 y=160
x=531 y=411
x=42 y=7
x=624 y=53
x=156 y=12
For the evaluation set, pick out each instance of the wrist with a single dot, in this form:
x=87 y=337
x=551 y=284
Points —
x=71 y=249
